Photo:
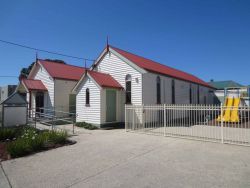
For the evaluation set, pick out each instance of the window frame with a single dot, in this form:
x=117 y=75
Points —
x=158 y=90
x=173 y=91
x=198 y=94
x=87 y=97
x=128 y=80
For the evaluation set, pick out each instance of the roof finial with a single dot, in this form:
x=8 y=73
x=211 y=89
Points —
x=107 y=43
x=36 y=56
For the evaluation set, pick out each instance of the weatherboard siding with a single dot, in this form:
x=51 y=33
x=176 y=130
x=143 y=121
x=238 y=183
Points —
x=48 y=81
x=149 y=89
x=91 y=113
x=118 y=69
x=182 y=91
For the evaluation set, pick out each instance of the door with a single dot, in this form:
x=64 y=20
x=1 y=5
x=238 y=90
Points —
x=39 y=101
x=110 y=105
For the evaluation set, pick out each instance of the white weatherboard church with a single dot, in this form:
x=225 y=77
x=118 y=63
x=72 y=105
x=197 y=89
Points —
x=49 y=85
x=119 y=77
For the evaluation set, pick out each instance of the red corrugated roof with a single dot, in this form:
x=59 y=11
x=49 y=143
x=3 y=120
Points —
x=34 y=84
x=153 y=66
x=104 y=80
x=62 y=71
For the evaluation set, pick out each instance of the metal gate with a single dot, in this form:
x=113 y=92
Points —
x=201 y=122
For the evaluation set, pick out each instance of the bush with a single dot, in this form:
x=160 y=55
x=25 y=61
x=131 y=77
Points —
x=19 y=148
x=32 y=140
x=10 y=133
x=86 y=125
x=6 y=133
x=55 y=137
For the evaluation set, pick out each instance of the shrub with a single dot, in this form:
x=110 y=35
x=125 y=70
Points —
x=6 y=133
x=86 y=125
x=10 y=133
x=19 y=148
x=55 y=137
x=32 y=140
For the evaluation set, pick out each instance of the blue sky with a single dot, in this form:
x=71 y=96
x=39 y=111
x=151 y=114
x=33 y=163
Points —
x=210 y=39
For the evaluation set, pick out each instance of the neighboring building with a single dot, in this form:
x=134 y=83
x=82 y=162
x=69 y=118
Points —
x=228 y=88
x=49 y=85
x=119 y=77
x=6 y=91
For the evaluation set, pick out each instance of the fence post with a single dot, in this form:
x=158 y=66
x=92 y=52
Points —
x=164 y=111
x=143 y=118
x=221 y=119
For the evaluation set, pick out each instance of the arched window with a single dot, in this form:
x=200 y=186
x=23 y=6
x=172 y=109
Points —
x=158 y=90
x=87 y=97
x=173 y=91
x=198 y=94
x=128 y=88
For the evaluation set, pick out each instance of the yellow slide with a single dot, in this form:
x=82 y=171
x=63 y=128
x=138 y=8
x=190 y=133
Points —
x=227 y=115
x=225 y=104
x=235 y=111
x=231 y=111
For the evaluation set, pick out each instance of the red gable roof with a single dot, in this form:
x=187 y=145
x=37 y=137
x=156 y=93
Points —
x=153 y=66
x=104 y=80
x=62 y=71
x=34 y=84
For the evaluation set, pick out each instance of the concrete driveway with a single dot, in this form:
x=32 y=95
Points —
x=113 y=158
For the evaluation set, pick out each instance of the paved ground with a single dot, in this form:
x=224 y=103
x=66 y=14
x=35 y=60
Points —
x=113 y=158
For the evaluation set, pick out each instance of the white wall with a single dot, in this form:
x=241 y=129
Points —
x=48 y=81
x=149 y=89
x=118 y=69
x=92 y=113
x=15 y=116
x=62 y=91
x=181 y=90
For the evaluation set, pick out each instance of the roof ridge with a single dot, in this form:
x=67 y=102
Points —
x=62 y=63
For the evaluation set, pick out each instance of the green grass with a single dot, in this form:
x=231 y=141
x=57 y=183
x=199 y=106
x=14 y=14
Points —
x=31 y=140
x=86 y=125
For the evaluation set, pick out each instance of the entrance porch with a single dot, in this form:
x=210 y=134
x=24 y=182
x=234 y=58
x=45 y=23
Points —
x=36 y=94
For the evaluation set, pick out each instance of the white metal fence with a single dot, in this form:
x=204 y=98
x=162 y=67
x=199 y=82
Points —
x=202 y=122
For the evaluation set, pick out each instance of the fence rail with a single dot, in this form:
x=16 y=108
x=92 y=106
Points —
x=202 y=122
x=51 y=119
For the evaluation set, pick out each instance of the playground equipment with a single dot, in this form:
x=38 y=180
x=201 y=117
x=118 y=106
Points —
x=234 y=98
x=230 y=111
x=235 y=111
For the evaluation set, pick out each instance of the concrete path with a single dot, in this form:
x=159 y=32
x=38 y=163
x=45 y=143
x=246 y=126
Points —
x=113 y=158
x=4 y=183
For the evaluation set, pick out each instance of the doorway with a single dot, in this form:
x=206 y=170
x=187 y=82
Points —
x=110 y=105
x=39 y=101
